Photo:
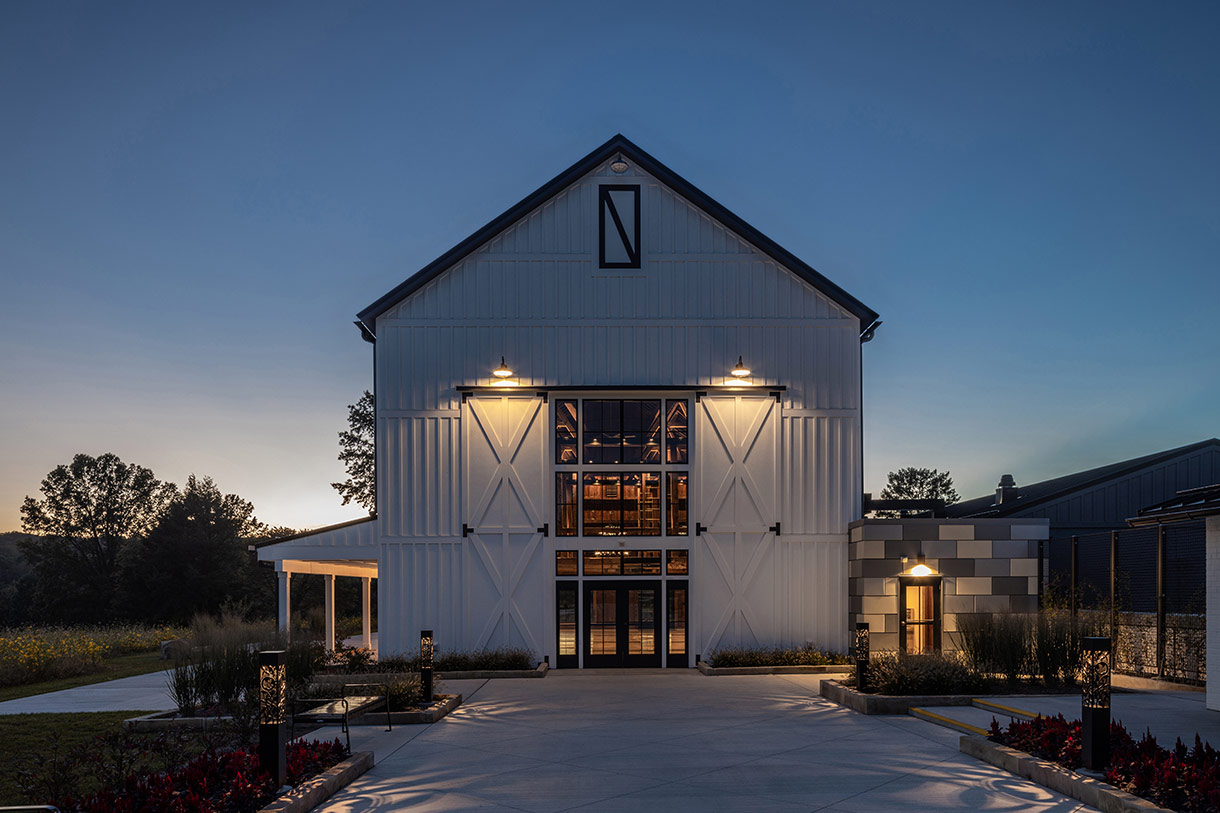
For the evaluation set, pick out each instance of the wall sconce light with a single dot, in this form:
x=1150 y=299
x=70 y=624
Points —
x=502 y=371
x=426 y=653
x=1095 y=703
x=861 y=655
x=921 y=568
x=740 y=370
x=618 y=166
x=273 y=714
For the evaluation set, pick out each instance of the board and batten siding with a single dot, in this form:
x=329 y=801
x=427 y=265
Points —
x=535 y=295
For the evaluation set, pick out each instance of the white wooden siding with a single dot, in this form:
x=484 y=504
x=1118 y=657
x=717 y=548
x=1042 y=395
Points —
x=534 y=295
x=356 y=540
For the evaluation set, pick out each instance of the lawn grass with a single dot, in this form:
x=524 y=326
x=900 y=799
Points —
x=119 y=666
x=24 y=734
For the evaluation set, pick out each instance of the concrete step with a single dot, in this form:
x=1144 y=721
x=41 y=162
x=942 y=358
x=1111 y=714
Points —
x=975 y=719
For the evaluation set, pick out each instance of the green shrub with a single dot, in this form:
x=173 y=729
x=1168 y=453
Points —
x=901 y=674
x=808 y=655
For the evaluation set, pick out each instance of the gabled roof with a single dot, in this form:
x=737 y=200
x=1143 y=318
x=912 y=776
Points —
x=617 y=144
x=1048 y=490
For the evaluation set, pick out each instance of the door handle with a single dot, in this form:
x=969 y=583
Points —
x=699 y=529
x=545 y=530
x=774 y=529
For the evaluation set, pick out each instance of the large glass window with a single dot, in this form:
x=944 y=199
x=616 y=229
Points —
x=598 y=442
x=622 y=562
x=920 y=618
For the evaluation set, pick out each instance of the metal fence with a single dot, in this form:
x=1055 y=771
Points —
x=1144 y=586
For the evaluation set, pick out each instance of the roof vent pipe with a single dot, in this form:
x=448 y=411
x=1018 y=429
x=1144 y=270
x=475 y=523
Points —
x=1007 y=490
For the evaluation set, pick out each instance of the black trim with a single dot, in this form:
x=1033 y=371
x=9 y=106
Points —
x=681 y=660
x=573 y=587
x=699 y=390
x=937 y=623
x=617 y=144
x=622 y=614
x=606 y=203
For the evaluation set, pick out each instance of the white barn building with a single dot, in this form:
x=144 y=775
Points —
x=611 y=494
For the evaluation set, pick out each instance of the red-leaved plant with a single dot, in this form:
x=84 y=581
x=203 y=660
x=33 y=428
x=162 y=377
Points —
x=213 y=782
x=1186 y=779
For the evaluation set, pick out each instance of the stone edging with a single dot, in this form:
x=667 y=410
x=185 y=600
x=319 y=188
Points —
x=1092 y=792
x=313 y=792
x=714 y=671
x=162 y=720
x=478 y=674
x=887 y=704
x=443 y=704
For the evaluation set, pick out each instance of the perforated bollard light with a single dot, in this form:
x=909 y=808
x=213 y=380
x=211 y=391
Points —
x=426 y=650
x=861 y=655
x=273 y=714
x=1095 y=703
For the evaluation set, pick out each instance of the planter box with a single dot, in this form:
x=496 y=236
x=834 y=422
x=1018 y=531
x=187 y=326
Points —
x=162 y=720
x=481 y=674
x=443 y=704
x=888 y=704
x=313 y=792
x=1091 y=791
x=715 y=671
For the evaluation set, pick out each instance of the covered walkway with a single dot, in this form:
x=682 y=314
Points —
x=346 y=550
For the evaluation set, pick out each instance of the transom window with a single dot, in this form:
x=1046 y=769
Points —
x=621 y=467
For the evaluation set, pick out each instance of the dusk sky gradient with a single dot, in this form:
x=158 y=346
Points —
x=197 y=198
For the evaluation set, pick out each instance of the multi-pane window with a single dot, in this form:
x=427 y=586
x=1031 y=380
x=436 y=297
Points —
x=621 y=467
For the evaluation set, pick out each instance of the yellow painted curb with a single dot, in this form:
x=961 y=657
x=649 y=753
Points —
x=933 y=717
x=987 y=704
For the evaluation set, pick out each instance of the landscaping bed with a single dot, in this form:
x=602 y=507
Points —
x=713 y=671
x=1047 y=750
x=772 y=657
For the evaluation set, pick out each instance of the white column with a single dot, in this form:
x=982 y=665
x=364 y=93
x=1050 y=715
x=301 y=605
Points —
x=366 y=594
x=328 y=591
x=283 y=605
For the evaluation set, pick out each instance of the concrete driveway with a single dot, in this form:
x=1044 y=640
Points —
x=674 y=740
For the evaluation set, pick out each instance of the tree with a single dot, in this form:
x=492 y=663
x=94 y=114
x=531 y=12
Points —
x=90 y=509
x=912 y=483
x=195 y=559
x=357 y=452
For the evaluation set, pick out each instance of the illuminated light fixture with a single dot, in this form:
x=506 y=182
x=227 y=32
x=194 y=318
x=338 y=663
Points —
x=1095 y=703
x=921 y=569
x=273 y=714
x=426 y=652
x=862 y=654
x=618 y=166
x=502 y=371
x=741 y=370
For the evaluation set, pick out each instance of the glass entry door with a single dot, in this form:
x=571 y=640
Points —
x=622 y=623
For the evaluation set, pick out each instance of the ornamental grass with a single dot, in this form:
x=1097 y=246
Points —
x=808 y=655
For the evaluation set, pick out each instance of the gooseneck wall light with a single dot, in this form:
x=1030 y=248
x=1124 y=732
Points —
x=740 y=370
x=1095 y=703
x=618 y=166
x=273 y=714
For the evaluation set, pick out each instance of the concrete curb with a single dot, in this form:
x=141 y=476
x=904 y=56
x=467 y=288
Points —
x=713 y=671
x=443 y=704
x=313 y=792
x=162 y=720
x=1092 y=792
x=836 y=692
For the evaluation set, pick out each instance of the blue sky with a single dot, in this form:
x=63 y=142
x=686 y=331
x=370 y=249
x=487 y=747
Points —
x=196 y=199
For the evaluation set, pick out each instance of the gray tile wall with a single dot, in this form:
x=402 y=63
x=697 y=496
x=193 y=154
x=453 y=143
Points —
x=986 y=565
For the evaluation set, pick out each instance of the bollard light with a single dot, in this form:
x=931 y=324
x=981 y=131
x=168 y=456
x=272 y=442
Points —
x=426 y=651
x=861 y=655
x=1095 y=703
x=273 y=714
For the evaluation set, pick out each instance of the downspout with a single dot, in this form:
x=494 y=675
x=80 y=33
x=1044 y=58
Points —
x=865 y=336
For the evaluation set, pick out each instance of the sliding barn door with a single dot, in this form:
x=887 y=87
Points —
x=507 y=589
x=737 y=481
